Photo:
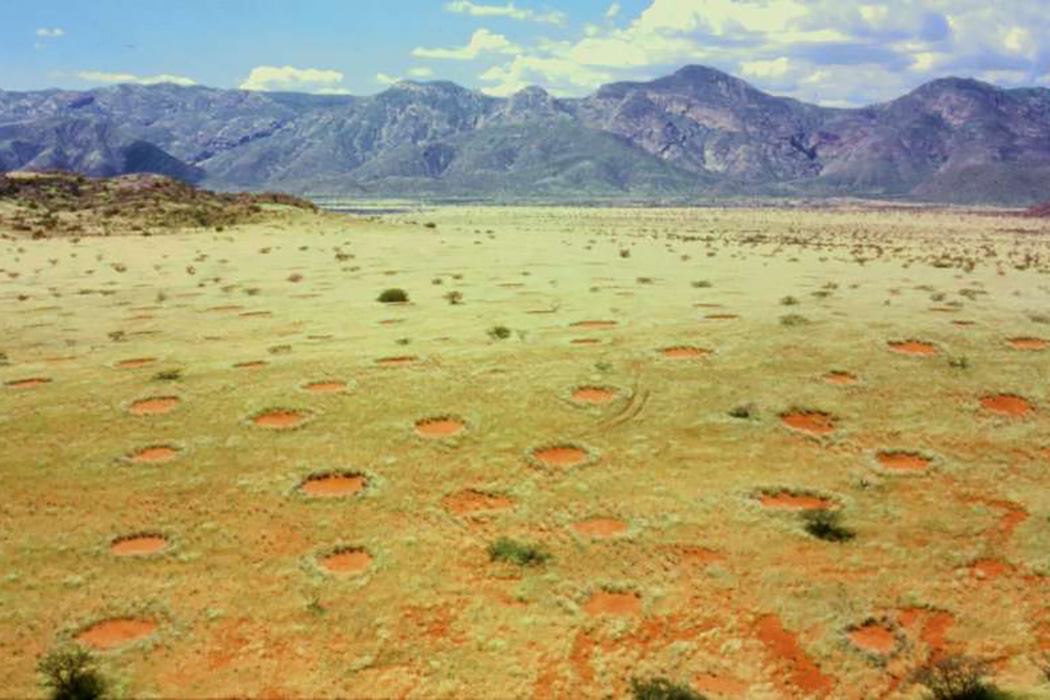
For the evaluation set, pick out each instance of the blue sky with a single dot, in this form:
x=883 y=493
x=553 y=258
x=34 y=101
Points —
x=837 y=52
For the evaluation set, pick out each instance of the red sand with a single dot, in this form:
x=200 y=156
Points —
x=560 y=456
x=600 y=528
x=606 y=603
x=279 y=420
x=30 y=383
x=395 y=361
x=138 y=545
x=683 y=352
x=109 y=634
x=873 y=638
x=840 y=378
x=134 y=363
x=155 y=454
x=349 y=561
x=720 y=686
x=1028 y=343
x=334 y=485
x=329 y=387
x=154 y=406
x=596 y=325
x=471 y=501
x=790 y=501
x=812 y=422
x=1007 y=405
x=720 y=317
x=593 y=394
x=440 y=427
x=903 y=461
x=913 y=347
x=254 y=364
x=585 y=341
x=783 y=645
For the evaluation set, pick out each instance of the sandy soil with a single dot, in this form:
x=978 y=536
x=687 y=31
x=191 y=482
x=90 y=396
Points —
x=233 y=472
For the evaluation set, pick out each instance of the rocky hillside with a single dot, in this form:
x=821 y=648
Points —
x=696 y=133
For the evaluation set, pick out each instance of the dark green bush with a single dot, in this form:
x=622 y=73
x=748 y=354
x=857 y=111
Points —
x=71 y=674
x=520 y=553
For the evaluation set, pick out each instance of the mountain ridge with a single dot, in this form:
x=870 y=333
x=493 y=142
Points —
x=698 y=132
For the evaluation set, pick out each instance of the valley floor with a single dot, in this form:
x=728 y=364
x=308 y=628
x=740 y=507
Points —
x=230 y=469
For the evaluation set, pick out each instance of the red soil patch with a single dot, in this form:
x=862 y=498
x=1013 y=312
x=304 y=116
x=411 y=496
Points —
x=840 y=378
x=903 y=461
x=811 y=422
x=153 y=455
x=600 y=528
x=785 y=500
x=110 y=634
x=471 y=501
x=1028 y=343
x=699 y=555
x=595 y=325
x=400 y=361
x=593 y=394
x=873 y=638
x=560 y=456
x=136 y=362
x=31 y=383
x=347 y=561
x=989 y=569
x=327 y=387
x=279 y=420
x=720 y=686
x=138 y=545
x=253 y=364
x=154 y=406
x=721 y=317
x=1007 y=405
x=962 y=323
x=439 y=427
x=585 y=341
x=334 y=485
x=683 y=352
x=608 y=603
x=913 y=347
x=783 y=645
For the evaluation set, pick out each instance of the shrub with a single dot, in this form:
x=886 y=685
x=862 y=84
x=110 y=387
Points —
x=499 y=332
x=168 y=375
x=789 y=301
x=957 y=678
x=662 y=689
x=520 y=553
x=393 y=296
x=701 y=284
x=454 y=297
x=430 y=224
x=71 y=674
x=826 y=525
x=742 y=412
x=625 y=253
x=793 y=320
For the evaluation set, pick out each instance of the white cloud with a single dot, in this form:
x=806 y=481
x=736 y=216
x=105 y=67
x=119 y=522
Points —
x=557 y=75
x=289 y=78
x=481 y=41
x=509 y=10
x=94 y=76
x=50 y=32
x=613 y=10
x=766 y=69
x=421 y=72
x=386 y=79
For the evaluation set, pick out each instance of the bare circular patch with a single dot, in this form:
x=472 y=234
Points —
x=721 y=317
x=685 y=352
x=561 y=456
x=154 y=406
x=810 y=422
x=30 y=383
x=333 y=386
x=138 y=545
x=334 y=485
x=1028 y=343
x=873 y=638
x=902 y=461
x=472 y=501
x=346 y=561
x=440 y=427
x=585 y=341
x=600 y=528
x=110 y=634
x=252 y=364
x=280 y=419
x=840 y=378
x=1010 y=405
x=915 y=348
x=399 y=361
x=136 y=362
x=155 y=454
x=787 y=500
x=610 y=603
x=595 y=325
x=593 y=394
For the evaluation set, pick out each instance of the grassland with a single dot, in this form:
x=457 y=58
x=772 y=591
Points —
x=676 y=388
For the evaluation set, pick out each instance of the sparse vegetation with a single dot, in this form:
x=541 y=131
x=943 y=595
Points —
x=507 y=550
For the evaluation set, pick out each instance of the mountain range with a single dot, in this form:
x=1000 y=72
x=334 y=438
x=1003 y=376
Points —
x=698 y=133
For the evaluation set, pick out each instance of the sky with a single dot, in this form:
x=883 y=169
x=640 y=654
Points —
x=833 y=52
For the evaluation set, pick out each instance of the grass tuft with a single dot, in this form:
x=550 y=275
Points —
x=520 y=553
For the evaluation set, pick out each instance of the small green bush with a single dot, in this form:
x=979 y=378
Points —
x=393 y=296
x=499 y=332
x=793 y=320
x=454 y=297
x=957 y=678
x=662 y=689
x=826 y=525
x=71 y=674
x=788 y=301
x=520 y=553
